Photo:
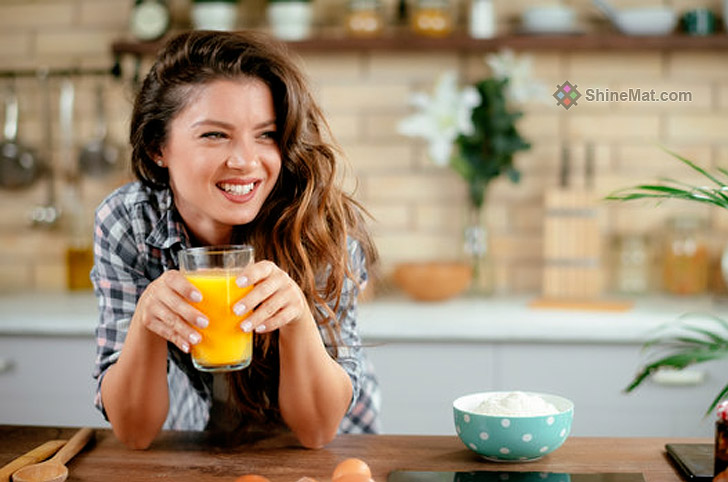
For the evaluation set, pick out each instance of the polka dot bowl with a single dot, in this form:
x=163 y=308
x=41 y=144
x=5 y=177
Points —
x=512 y=438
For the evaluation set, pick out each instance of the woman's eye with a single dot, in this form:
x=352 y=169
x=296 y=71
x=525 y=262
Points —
x=270 y=135
x=214 y=135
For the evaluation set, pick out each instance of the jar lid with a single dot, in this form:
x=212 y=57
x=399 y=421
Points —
x=686 y=222
x=363 y=4
x=722 y=411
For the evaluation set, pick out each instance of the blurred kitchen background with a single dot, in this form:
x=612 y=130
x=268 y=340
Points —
x=418 y=208
x=56 y=60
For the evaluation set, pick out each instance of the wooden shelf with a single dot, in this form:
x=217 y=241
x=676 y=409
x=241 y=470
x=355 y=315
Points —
x=461 y=43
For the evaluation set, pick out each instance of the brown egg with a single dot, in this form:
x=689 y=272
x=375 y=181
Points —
x=353 y=477
x=352 y=466
x=252 y=478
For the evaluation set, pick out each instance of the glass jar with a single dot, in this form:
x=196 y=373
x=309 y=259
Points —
x=432 y=18
x=632 y=264
x=685 y=263
x=720 y=458
x=482 y=19
x=365 y=18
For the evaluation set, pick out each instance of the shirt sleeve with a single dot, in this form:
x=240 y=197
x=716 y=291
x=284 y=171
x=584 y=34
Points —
x=118 y=279
x=348 y=347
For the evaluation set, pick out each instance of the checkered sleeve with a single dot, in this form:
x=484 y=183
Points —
x=118 y=279
x=364 y=407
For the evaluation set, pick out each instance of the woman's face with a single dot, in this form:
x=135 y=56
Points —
x=223 y=157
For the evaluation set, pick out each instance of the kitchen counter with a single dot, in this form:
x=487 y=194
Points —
x=198 y=457
x=397 y=319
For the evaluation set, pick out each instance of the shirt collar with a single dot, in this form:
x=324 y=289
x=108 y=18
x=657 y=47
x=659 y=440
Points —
x=169 y=229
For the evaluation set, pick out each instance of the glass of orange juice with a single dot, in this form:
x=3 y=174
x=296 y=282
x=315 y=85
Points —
x=213 y=270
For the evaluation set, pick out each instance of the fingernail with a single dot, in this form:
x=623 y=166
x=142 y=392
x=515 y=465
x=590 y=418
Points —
x=239 y=309
x=260 y=328
x=242 y=281
x=247 y=326
x=196 y=296
x=185 y=347
x=195 y=338
x=202 y=322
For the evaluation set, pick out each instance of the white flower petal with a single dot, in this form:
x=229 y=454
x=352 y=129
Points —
x=416 y=125
x=420 y=100
x=521 y=87
x=440 y=151
x=440 y=118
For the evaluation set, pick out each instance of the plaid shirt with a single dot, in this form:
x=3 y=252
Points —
x=137 y=237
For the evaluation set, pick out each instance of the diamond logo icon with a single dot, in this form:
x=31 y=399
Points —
x=566 y=95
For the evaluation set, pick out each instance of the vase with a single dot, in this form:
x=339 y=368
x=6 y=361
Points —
x=290 y=21
x=482 y=19
x=222 y=15
x=477 y=250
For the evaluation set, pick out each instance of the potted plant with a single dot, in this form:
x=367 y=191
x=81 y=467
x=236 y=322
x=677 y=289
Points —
x=474 y=131
x=290 y=19
x=693 y=338
x=214 y=14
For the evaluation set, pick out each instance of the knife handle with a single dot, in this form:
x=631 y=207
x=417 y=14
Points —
x=38 y=454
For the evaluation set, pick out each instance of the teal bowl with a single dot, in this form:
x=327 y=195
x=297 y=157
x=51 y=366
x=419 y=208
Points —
x=512 y=438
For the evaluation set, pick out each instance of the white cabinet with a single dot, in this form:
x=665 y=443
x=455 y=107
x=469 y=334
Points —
x=46 y=380
x=421 y=379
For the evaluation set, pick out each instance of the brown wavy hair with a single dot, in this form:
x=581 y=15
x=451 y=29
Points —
x=306 y=220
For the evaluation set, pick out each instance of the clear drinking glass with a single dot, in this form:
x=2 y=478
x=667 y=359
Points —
x=213 y=270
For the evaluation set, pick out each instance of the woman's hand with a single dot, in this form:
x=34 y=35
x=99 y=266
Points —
x=275 y=298
x=164 y=309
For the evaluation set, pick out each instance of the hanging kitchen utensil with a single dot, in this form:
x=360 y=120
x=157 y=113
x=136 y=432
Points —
x=66 y=100
x=19 y=166
x=47 y=215
x=99 y=156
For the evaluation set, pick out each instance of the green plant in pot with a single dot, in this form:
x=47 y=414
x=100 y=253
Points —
x=693 y=338
x=473 y=130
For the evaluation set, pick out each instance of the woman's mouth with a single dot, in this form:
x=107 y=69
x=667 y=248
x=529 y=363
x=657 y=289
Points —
x=236 y=189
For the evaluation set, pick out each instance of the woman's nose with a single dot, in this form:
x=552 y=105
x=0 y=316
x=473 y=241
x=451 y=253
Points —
x=240 y=156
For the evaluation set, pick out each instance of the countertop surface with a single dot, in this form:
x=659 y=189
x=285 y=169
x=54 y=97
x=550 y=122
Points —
x=494 y=319
x=200 y=457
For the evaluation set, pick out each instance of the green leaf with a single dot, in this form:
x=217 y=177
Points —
x=687 y=343
x=488 y=152
x=694 y=166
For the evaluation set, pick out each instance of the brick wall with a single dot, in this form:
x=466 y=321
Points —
x=418 y=208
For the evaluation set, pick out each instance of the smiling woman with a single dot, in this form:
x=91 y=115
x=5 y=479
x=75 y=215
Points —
x=227 y=137
x=229 y=148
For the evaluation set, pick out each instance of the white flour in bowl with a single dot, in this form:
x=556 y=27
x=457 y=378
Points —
x=515 y=404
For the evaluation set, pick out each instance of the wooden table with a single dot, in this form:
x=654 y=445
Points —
x=198 y=457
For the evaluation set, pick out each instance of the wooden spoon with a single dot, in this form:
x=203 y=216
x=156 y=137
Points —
x=38 y=454
x=54 y=469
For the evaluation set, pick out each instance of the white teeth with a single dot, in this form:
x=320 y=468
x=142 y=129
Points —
x=237 y=189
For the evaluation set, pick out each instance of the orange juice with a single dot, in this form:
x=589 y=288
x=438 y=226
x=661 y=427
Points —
x=224 y=345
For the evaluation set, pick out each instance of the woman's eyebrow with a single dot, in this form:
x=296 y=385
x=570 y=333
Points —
x=227 y=125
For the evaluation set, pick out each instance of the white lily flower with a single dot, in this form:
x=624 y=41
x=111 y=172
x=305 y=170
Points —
x=442 y=116
x=522 y=86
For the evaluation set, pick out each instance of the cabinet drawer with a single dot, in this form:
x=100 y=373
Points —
x=419 y=382
x=47 y=380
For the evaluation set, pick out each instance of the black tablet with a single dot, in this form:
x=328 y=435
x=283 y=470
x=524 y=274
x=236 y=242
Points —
x=695 y=461
x=510 y=476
